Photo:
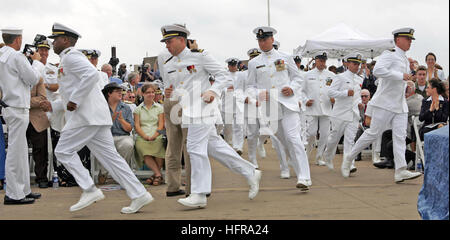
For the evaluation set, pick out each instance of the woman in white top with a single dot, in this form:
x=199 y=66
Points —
x=432 y=71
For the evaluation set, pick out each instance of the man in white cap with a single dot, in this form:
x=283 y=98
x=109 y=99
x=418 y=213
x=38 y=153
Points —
x=93 y=55
x=228 y=105
x=275 y=80
x=234 y=103
x=318 y=104
x=88 y=122
x=346 y=89
x=389 y=107
x=186 y=74
x=16 y=80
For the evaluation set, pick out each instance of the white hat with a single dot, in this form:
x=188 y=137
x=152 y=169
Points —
x=264 y=32
x=232 y=61
x=321 y=54
x=60 y=30
x=12 y=31
x=253 y=52
x=174 y=30
x=404 y=32
x=91 y=52
x=354 y=57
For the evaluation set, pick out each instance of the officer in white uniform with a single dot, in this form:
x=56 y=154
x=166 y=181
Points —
x=228 y=105
x=389 y=106
x=17 y=78
x=346 y=89
x=88 y=123
x=318 y=104
x=187 y=75
x=276 y=79
x=237 y=104
x=93 y=55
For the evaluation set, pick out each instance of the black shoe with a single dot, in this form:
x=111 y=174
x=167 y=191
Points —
x=358 y=158
x=43 y=185
x=10 y=201
x=177 y=193
x=34 y=195
x=388 y=163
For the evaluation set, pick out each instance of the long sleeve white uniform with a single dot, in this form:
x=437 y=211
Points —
x=315 y=87
x=18 y=77
x=346 y=107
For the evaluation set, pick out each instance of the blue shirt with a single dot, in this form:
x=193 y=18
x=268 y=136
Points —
x=116 y=128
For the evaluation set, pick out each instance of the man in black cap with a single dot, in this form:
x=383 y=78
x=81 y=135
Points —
x=88 y=122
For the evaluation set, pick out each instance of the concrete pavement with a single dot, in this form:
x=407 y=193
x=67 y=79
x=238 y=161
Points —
x=370 y=194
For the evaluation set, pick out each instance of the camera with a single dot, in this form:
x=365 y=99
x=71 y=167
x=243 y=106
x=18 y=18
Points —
x=189 y=43
x=27 y=50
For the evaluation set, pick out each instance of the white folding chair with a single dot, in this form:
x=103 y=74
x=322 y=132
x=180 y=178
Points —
x=419 y=144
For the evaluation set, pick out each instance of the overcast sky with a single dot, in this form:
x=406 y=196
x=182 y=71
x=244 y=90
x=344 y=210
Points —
x=224 y=28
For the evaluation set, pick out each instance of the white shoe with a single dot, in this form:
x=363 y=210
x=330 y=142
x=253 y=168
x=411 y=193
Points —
x=138 y=203
x=87 y=198
x=195 y=200
x=254 y=184
x=320 y=161
x=304 y=185
x=402 y=175
x=376 y=158
x=285 y=174
x=346 y=167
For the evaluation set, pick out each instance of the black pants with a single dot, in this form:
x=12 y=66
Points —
x=387 y=148
x=38 y=141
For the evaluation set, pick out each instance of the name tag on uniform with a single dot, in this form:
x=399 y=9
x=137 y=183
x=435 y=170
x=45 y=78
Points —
x=329 y=81
x=280 y=65
x=171 y=72
x=258 y=67
x=50 y=72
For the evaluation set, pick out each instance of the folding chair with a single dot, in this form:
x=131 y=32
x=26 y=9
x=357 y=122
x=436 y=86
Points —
x=419 y=144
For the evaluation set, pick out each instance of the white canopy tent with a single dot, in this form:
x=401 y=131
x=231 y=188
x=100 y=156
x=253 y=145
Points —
x=342 y=40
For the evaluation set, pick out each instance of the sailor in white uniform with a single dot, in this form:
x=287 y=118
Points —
x=346 y=89
x=275 y=80
x=318 y=104
x=389 y=107
x=187 y=74
x=88 y=123
x=93 y=55
x=17 y=78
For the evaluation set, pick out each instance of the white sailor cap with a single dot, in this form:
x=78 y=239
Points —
x=174 y=30
x=60 y=30
x=253 y=52
x=89 y=53
x=232 y=61
x=264 y=32
x=12 y=31
x=276 y=45
x=354 y=57
x=404 y=32
x=321 y=55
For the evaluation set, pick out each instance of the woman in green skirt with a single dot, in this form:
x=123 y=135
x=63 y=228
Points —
x=149 y=119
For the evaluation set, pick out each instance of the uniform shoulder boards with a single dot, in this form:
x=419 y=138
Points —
x=197 y=50
x=168 y=60
x=54 y=64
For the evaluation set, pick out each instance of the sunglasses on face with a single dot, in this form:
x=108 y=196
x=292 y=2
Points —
x=364 y=96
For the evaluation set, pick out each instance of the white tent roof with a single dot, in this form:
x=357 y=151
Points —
x=342 y=40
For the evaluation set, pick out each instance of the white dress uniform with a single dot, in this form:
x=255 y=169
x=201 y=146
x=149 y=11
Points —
x=345 y=114
x=389 y=108
x=188 y=73
x=90 y=125
x=16 y=80
x=315 y=87
x=272 y=71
